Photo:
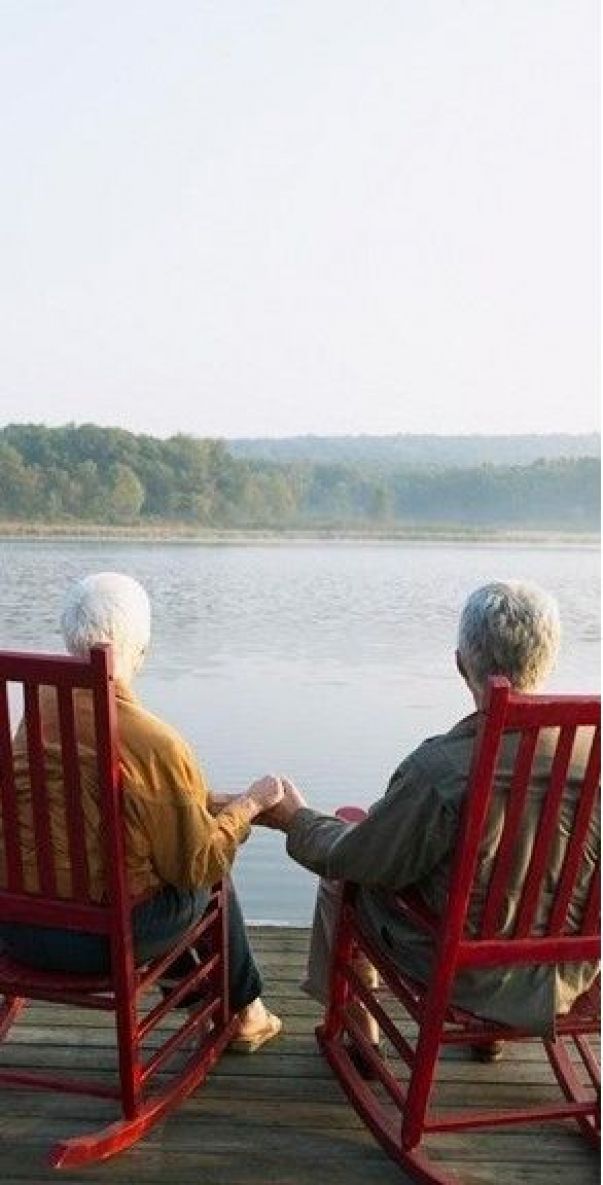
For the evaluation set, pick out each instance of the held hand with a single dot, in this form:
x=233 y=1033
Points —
x=281 y=815
x=265 y=793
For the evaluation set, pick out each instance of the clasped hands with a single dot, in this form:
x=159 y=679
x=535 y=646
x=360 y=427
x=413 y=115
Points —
x=270 y=801
x=283 y=809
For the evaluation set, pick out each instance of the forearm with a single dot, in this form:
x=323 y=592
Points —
x=222 y=833
x=401 y=839
x=213 y=855
x=322 y=844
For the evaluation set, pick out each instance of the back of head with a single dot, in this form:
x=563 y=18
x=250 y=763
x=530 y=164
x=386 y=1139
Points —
x=509 y=629
x=108 y=607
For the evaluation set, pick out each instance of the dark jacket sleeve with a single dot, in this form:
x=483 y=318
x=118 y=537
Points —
x=404 y=836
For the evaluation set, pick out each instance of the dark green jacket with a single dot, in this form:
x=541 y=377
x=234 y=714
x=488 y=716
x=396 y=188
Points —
x=408 y=838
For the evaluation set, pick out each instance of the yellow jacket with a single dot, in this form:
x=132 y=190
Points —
x=170 y=835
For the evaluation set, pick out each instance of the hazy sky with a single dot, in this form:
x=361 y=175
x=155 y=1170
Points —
x=249 y=218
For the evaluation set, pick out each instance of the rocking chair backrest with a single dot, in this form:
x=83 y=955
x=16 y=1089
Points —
x=53 y=903
x=553 y=882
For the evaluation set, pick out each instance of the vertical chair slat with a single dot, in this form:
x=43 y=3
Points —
x=39 y=792
x=8 y=798
x=76 y=825
x=547 y=828
x=120 y=934
x=575 y=848
x=515 y=806
x=108 y=768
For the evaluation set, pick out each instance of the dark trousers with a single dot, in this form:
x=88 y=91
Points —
x=157 y=924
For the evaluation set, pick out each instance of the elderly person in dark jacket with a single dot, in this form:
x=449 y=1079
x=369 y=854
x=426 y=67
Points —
x=409 y=834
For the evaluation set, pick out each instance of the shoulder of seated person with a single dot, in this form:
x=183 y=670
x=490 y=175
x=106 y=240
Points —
x=137 y=721
x=444 y=753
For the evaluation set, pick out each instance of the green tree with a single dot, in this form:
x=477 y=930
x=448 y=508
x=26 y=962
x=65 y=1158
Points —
x=18 y=484
x=126 y=493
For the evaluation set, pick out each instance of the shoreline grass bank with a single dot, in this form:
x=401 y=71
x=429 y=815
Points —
x=183 y=533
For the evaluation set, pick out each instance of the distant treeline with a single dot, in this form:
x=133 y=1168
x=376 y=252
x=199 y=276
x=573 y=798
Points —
x=464 y=452
x=107 y=475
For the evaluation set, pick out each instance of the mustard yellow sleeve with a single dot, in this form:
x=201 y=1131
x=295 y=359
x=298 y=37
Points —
x=189 y=847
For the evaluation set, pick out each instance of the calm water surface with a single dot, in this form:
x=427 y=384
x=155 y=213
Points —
x=327 y=662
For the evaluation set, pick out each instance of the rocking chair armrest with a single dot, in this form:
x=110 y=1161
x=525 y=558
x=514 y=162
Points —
x=351 y=814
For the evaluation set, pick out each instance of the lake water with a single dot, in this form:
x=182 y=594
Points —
x=325 y=661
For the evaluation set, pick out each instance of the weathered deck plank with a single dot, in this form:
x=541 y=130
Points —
x=278 y=1116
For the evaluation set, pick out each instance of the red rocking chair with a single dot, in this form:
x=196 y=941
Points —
x=207 y=1031
x=397 y=1107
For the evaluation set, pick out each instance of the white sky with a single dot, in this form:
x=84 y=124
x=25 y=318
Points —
x=244 y=217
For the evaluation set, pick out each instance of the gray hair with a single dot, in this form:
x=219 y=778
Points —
x=107 y=607
x=509 y=629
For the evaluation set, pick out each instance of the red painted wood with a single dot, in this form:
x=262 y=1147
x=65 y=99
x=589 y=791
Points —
x=8 y=799
x=142 y=1098
x=38 y=1081
x=588 y=1060
x=222 y=941
x=57 y=670
x=39 y=793
x=194 y=1025
x=458 y=1121
x=30 y=907
x=76 y=827
x=575 y=848
x=564 y=1070
x=9 y=1011
x=505 y=951
x=343 y=948
x=156 y=1015
x=515 y=807
x=429 y=1004
x=350 y=814
x=547 y=828
x=370 y=1000
x=464 y=862
x=116 y=1137
x=551 y=711
x=379 y=1119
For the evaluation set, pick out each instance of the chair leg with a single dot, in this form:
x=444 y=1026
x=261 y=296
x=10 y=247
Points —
x=128 y=1048
x=118 y=1136
x=573 y=1089
x=9 y=1011
x=384 y=1125
x=343 y=952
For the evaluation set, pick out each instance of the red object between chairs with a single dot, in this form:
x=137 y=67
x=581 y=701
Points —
x=351 y=814
x=208 y=1030
x=397 y=1109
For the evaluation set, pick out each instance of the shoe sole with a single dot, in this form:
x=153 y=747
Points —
x=252 y=1044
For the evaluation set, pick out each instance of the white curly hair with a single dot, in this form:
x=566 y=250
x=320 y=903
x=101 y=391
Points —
x=108 y=607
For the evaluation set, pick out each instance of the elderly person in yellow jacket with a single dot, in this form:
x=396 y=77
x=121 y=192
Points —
x=180 y=837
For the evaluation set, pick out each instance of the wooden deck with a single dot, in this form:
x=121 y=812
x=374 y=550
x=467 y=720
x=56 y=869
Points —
x=278 y=1116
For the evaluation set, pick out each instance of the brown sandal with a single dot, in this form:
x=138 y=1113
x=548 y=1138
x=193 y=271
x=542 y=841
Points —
x=251 y=1044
